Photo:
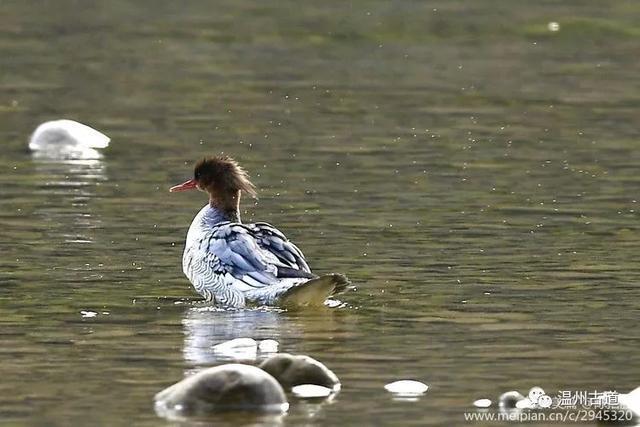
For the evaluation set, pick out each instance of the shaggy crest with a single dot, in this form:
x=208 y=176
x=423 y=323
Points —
x=222 y=174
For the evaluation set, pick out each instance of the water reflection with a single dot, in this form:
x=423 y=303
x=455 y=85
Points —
x=66 y=188
x=310 y=409
x=67 y=154
x=231 y=419
x=475 y=173
x=206 y=326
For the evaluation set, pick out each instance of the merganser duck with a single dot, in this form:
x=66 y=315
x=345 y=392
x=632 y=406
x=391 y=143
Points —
x=235 y=264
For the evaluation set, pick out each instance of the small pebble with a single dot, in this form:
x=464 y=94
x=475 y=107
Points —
x=311 y=391
x=482 y=403
x=407 y=387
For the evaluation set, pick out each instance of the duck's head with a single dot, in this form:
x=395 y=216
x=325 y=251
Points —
x=218 y=175
x=222 y=178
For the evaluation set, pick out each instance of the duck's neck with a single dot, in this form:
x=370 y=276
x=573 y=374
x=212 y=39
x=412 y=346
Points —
x=228 y=205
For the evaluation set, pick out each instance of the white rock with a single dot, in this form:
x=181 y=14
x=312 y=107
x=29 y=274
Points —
x=525 y=403
x=67 y=132
x=407 y=387
x=631 y=401
x=67 y=139
x=310 y=391
x=268 y=346
x=482 y=403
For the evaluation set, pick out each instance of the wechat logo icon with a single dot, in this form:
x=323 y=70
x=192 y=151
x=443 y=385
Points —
x=538 y=398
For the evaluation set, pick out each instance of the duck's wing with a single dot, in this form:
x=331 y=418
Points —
x=273 y=240
x=236 y=249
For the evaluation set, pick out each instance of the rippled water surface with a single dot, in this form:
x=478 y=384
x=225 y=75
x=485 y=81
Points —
x=475 y=174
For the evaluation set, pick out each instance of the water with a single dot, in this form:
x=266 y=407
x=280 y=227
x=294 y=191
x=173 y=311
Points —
x=474 y=173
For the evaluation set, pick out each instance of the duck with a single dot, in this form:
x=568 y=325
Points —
x=235 y=264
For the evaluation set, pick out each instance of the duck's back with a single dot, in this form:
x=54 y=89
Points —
x=233 y=263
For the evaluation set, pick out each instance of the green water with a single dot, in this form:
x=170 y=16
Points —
x=475 y=174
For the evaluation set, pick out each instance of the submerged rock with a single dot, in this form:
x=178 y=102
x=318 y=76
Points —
x=222 y=388
x=292 y=370
x=510 y=399
x=535 y=399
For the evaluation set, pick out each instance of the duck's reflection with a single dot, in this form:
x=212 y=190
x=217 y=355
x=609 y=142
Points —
x=206 y=326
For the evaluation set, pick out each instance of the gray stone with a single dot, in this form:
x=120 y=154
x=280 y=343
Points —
x=292 y=370
x=222 y=388
x=510 y=399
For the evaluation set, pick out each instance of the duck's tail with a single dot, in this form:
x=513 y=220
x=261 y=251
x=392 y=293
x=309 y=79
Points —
x=315 y=291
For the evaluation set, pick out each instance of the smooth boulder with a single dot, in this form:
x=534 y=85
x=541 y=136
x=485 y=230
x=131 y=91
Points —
x=292 y=370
